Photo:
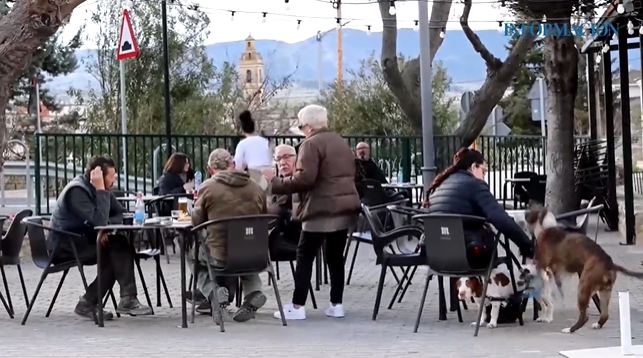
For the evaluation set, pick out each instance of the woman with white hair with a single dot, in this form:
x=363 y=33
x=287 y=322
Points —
x=328 y=206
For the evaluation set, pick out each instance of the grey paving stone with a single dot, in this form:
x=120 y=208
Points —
x=65 y=335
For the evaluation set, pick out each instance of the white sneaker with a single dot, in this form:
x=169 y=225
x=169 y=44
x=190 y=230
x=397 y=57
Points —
x=291 y=312
x=336 y=311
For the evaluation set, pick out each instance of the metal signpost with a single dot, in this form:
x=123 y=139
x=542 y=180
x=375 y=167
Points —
x=127 y=48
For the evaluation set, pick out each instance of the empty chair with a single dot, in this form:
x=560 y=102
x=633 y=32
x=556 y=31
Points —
x=449 y=254
x=247 y=254
x=520 y=192
x=536 y=188
x=387 y=257
x=10 y=247
x=371 y=192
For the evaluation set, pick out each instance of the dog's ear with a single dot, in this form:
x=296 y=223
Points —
x=547 y=219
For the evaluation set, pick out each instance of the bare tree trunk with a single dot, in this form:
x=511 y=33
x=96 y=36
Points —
x=28 y=26
x=561 y=66
x=405 y=85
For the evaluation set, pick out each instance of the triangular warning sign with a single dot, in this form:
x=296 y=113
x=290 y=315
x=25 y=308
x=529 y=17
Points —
x=127 y=46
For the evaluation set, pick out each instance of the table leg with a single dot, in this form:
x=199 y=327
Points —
x=99 y=306
x=184 y=310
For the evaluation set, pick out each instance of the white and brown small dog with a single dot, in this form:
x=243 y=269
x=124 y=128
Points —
x=539 y=285
x=499 y=287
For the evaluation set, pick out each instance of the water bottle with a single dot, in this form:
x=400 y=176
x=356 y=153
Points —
x=139 y=210
x=399 y=176
x=198 y=177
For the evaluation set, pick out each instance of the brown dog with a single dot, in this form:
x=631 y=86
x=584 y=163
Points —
x=563 y=252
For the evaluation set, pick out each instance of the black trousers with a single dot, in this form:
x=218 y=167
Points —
x=117 y=264
x=309 y=244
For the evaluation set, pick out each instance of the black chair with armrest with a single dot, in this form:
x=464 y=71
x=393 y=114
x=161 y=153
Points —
x=401 y=216
x=536 y=188
x=163 y=206
x=362 y=235
x=10 y=247
x=520 y=189
x=247 y=254
x=371 y=192
x=48 y=262
x=446 y=252
x=387 y=257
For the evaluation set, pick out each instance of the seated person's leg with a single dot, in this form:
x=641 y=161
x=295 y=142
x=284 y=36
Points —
x=86 y=306
x=253 y=300
x=206 y=286
x=121 y=254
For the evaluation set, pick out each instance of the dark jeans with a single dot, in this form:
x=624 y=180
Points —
x=117 y=264
x=307 y=250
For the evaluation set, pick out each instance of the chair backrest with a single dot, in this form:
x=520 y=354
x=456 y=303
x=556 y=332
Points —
x=37 y=241
x=156 y=190
x=11 y=243
x=372 y=192
x=536 y=188
x=248 y=242
x=444 y=241
x=373 y=222
x=520 y=189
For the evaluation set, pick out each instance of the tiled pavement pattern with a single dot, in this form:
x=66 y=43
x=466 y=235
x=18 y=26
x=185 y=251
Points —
x=64 y=335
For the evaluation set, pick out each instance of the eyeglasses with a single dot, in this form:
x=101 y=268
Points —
x=301 y=126
x=284 y=157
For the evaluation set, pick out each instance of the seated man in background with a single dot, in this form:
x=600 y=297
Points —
x=366 y=168
x=83 y=204
x=286 y=233
x=226 y=194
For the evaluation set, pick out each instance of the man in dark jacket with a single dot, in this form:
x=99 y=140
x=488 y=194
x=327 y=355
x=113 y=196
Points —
x=83 y=204
x=285 y=235
x=365 y=167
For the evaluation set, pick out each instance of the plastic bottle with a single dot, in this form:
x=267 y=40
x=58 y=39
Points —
x=198 y=177
x=139 y=210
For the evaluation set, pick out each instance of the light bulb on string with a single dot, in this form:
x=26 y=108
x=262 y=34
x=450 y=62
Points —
x=368 y=29
x=298 y=24
x=606 y=48
x=287 y=7
x=442 y=33
x=339 y=23
x=392 y=10
x=641 y=29
x=263 y=19
x=620 y=8
x=416 y=26
x=630 y=27
x=231 y=15
x=598 y=59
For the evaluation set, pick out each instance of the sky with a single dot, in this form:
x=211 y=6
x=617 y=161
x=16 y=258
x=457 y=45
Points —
x=315 y=15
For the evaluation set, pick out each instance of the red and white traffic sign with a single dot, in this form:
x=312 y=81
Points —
x=127 y=46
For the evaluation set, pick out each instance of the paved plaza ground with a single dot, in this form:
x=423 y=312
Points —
x=65 y=335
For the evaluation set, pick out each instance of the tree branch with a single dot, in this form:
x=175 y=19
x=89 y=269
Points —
x=493 y=63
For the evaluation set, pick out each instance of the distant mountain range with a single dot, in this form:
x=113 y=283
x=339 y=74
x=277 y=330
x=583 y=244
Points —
x=463 y=64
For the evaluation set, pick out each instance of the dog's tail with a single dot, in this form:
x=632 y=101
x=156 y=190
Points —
x=627 y=272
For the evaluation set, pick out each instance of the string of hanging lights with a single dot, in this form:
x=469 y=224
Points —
x=623 y=7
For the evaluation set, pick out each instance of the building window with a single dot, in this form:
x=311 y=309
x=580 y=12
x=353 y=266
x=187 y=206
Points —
x=249 y=44
x=248 y=76
x=249 y=56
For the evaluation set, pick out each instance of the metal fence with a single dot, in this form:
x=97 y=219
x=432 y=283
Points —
x=60 y=157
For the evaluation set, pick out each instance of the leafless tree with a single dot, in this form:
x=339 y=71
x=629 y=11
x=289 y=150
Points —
x=405 y=84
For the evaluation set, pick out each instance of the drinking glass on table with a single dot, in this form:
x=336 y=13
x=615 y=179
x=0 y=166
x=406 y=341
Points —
x=176 y=214
x=183 y=206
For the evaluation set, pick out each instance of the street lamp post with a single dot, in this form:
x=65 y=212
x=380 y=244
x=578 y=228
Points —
x=428 y=150
x=166 y=79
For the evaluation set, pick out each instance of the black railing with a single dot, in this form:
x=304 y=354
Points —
x=60 y=157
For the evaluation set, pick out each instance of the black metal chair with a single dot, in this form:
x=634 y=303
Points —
x=10 y=247
x=362 y=236
x=446 y=253
x=46 y=260
x=371 y=192
x=536 y=188
x=247 y=254
x=387 y=257
x=578 y=220
x=280 y=252
x=520 y=190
